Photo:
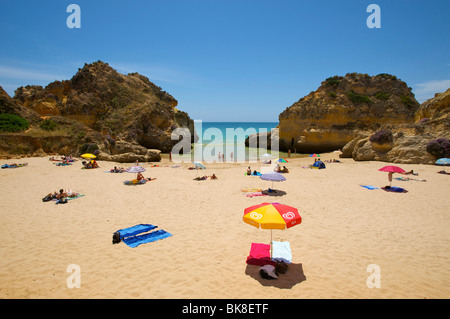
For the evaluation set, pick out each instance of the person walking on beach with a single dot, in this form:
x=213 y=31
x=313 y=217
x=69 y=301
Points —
x=219 y=157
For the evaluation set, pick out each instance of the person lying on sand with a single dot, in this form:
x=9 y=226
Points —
x=86 y=165
x=62 y=194
x=201 y=178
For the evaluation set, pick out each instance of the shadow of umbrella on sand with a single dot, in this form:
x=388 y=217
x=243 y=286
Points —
x=391 y=170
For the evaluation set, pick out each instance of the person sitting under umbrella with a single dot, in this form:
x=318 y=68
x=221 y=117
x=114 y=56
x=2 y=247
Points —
x=141 y=177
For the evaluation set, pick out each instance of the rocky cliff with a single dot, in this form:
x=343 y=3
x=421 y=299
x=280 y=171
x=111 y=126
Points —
x=120 y=108
x=409 y=143
x=343 y=108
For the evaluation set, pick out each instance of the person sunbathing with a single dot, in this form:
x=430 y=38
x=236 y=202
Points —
x=62 y=194
x=213 y=176
x=86 y=165
x=140 y=177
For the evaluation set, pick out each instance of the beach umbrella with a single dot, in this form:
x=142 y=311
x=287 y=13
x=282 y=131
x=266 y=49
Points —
x=272 y=216
x=135 y=169
x=199 y=165
x=281 y=160
x=443 y=161
x=88 y=156
x=273 y=176
x=391 y=170
x=314 y=155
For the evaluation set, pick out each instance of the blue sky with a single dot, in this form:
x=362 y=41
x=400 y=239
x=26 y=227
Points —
x=227 y=60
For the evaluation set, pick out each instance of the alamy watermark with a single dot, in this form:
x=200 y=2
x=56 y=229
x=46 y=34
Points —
x=374 y=279
x=373 y=20
x=74 y=19
x=74 y=279
x=221 y=147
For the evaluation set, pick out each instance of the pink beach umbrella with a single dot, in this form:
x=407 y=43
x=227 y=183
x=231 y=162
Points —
x=391 y=170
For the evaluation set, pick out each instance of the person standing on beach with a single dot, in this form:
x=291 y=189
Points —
x=231 y=156
x=219 y=157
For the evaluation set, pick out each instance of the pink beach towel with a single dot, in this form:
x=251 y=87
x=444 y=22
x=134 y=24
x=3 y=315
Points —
x=259 y=255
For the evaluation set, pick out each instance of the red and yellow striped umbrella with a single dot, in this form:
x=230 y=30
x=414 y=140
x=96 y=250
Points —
x=272 y=216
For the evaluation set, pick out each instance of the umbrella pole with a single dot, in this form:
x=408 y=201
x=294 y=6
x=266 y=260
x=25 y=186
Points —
x=271 y=244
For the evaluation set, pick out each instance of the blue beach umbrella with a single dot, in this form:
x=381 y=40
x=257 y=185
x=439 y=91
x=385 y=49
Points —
x=273 y=176
x=197 y=164
x=443 y=161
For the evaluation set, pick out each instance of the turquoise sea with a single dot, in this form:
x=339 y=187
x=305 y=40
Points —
x=228 y=138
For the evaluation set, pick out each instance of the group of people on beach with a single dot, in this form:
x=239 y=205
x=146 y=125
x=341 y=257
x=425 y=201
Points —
x=67 y=159
x=90 y=164
x=60 y=196
x=331 y=161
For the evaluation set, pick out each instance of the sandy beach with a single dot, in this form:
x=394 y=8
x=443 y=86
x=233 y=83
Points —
x=345 y=228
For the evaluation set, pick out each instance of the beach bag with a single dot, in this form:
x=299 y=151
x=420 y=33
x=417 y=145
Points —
x=62 y=201
x=47 y=198
x=116 y=238
x=281 y=267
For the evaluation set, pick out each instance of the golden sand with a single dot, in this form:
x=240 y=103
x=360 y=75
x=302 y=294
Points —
x=345 y=228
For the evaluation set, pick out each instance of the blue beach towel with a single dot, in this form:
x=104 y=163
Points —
x=369 y=187
x=281 y=250
x=135 y=241
x=394 y=189
x=138 y=229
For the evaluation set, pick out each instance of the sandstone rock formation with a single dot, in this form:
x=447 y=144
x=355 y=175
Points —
x=127 y=109
x=410 y=141
x=343 y=108
x=11 y=106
